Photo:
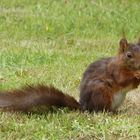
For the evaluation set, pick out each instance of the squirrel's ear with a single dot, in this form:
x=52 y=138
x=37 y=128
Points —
x=123 y=44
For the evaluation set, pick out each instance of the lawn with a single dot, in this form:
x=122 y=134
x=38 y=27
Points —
x=52 y=42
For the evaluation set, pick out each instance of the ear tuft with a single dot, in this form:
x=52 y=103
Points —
x=123 y=44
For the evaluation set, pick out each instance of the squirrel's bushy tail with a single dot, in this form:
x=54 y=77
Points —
x=33 y=96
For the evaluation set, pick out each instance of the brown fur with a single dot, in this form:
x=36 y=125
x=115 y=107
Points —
x=103 y=79
x=31 y=96
x=103 y=86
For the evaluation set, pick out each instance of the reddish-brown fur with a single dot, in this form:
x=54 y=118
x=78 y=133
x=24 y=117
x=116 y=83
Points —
x=106 y=77
x=102 y=87
x=32 y=96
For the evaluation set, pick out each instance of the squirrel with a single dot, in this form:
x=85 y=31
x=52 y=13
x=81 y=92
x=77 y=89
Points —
x=103 y=86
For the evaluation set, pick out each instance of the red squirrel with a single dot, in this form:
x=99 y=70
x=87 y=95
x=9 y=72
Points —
x=103 y=87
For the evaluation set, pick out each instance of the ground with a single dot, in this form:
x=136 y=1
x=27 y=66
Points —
x=52 y=42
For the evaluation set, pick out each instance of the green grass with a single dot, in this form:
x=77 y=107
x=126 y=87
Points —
x=52 y=42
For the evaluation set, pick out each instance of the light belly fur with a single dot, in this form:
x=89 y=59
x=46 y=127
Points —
x=119 y=97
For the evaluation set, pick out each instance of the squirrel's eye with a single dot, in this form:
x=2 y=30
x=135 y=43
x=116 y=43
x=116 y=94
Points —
x=129 y=54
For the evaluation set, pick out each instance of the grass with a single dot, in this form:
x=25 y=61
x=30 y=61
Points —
x=52 y=42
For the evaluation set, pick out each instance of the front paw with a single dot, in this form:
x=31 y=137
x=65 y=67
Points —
x=137 y=74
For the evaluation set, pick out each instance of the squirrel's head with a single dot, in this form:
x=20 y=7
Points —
x=129 y=54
